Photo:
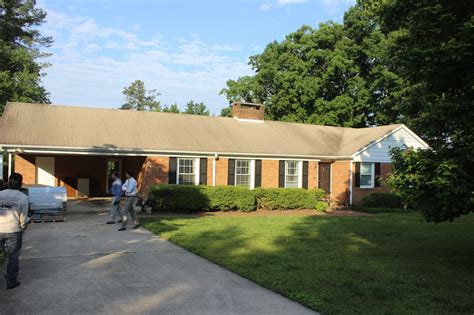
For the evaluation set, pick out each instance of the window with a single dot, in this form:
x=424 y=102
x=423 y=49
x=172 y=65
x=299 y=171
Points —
x=242 y=173
x=292 y=174
x=187 y=171
x=367 y=175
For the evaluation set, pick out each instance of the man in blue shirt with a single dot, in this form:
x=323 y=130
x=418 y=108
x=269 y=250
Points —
x=116 y=191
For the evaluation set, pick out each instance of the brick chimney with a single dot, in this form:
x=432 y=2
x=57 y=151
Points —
x=248 y=111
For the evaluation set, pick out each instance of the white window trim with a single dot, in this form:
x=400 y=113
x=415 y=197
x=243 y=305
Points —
x=197 y=171
x=372 y=174
x=300 y=173
x=252 y=173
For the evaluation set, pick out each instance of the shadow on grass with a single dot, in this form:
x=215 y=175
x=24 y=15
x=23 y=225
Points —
x=392 y=263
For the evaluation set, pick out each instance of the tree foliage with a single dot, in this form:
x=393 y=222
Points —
x=173 y=108
x=335 y=74
x=196 y=108
x=140 y=99
x=432 y=47
x=20 y=71
x=226 y=112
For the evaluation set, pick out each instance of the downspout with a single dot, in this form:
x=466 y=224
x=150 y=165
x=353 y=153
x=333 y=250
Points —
x=350 y=184
x=216 y=157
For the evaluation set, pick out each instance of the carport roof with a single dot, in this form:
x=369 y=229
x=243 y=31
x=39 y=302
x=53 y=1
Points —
x=53 y=126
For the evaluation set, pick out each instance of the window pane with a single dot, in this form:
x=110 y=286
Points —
x=186 y=179
x=366 y=180
x=291 y=174
x=186 y=172
x=365 y=168
x=242 y=173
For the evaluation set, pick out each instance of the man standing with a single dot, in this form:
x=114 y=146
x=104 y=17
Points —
x=116 y=195
x=13 y=220
x=130 y=189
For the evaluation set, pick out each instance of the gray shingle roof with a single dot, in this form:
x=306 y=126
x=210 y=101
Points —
x=113 y=129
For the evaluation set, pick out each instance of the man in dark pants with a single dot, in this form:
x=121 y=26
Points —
x=13 y=220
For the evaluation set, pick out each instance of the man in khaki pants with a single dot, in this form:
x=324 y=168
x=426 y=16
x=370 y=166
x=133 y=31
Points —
x=130 y=190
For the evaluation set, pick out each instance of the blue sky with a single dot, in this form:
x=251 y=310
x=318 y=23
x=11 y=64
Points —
x=185 y=49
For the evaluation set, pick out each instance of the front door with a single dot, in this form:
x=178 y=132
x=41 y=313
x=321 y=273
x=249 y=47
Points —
x=45 y=171
x=324 y=178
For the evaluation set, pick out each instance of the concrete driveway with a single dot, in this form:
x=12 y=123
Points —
x=86 y=266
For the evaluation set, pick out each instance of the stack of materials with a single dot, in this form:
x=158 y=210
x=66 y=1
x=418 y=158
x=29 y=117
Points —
x=47 y=204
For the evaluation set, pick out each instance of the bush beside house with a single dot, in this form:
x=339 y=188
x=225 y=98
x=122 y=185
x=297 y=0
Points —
x=187 y=198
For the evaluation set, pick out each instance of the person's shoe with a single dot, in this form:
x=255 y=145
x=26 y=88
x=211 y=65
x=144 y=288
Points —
x=12 y=285
x=110 y=222
x=122 y=229
x=136 y=226
x=119 y=221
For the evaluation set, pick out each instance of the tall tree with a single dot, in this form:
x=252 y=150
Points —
x=431 y=48
x=20 y=42
x=196 y=108
x=139 y=98
x=332 y=75
x=173 y=108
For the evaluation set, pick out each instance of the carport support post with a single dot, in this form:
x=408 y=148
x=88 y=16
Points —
x=9 y=164
x=1 y=164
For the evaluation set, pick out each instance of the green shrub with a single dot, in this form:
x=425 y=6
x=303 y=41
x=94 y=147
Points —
x=190 y=198
x=321 y=206
x=230 y=198
x=382 y=200
x=177 y=198
x=287 y=198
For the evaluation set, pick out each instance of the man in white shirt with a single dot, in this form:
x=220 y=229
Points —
x=130 y=190
x=13 y=221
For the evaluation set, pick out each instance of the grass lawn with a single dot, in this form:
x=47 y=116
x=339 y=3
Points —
x=388 y=263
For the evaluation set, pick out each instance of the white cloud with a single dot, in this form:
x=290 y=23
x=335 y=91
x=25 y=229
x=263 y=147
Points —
x=92 y=63
x=286 y=2
x=266 y=6
x=279 y=3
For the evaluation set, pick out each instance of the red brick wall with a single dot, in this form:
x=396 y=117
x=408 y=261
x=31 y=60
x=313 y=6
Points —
x=340 y=182
x=209 y=170
x=154 y=170
x=270 y=173
x=221 y=171
x=25 y=165
x=359 y=193
x=243 y=111
x=312 y=174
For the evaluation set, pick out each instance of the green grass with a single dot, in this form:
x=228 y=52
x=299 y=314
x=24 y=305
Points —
x=388 y=263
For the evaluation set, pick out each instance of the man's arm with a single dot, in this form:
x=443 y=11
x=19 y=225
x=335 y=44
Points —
x=24 y=213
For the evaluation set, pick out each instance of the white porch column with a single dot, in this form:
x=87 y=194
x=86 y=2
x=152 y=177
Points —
x=214 y=170
x=9 y=164
x=350 y=183
x=1 y=164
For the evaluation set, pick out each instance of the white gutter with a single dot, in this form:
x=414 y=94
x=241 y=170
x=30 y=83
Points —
x=134 y=152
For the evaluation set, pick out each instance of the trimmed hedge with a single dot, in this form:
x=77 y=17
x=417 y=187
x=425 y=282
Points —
x=189 y=198
x=287 y=198
x=382 y=200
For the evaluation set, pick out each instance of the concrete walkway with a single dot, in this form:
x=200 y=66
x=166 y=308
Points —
x=86 y=266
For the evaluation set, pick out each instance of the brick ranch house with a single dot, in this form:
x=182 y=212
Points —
x=79 y=147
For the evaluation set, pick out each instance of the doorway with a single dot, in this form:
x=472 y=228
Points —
x=45 y=171
x=112 y=166
x=324 y=177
